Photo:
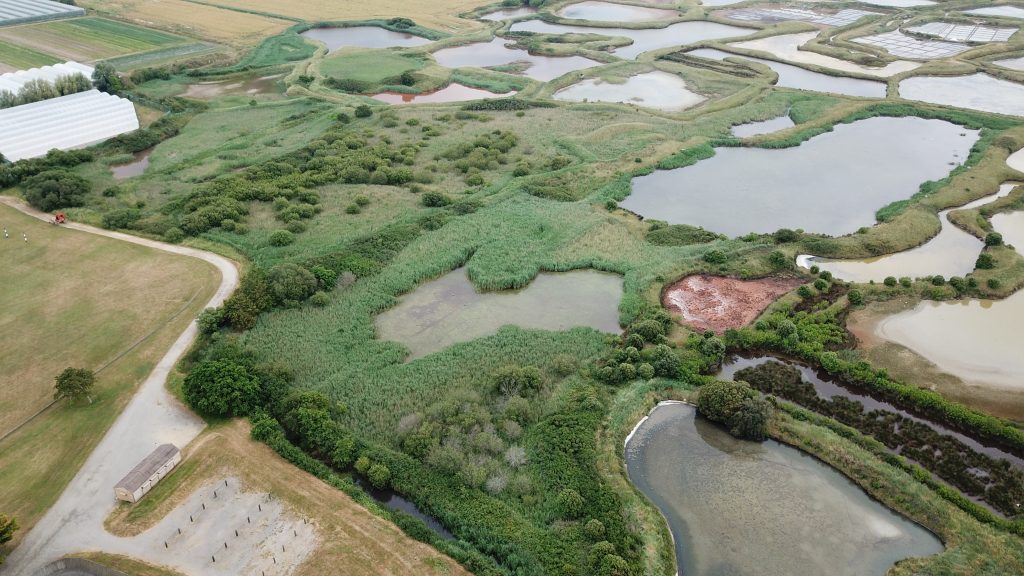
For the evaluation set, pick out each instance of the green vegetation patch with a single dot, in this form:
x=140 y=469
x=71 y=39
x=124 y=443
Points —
x=371 y=67
x=21 y=57
x=110 y=36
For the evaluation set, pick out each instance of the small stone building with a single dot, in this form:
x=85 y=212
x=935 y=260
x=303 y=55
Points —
x=147 y=473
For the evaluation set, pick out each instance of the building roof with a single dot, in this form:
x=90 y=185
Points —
x=66 y=122
x=145 y=469
x=13 y=81
x=22 y=11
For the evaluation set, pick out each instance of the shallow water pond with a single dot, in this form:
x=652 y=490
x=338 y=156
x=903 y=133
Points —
x=496 y=53
x=732 y=505
x=645 y=39
x=900 y=3
x=977 y=341
x=977 y=92
x=450 y=93
x=134 y=168
x=659 y=90
x=1004 y=11
x=363 y=37
x=448 y=310
x=248 y=87
x=951 y=253
x=611 y=12
x=819 y=186
x=802 y=79
x=762 y=127
x=787 y=47
x=1011 y=63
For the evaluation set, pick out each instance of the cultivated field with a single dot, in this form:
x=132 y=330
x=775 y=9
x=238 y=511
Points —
x=14 y=57
x=192 y=19
x=441 y=14
x=75 y=299
x=88 y=39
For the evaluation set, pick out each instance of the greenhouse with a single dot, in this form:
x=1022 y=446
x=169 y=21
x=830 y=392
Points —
x=13 y=81
x=24 y=11
x=67 y=122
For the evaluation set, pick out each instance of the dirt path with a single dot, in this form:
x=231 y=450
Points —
x=152 y=417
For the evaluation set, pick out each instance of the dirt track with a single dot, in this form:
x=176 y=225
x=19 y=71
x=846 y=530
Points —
x=717 y=303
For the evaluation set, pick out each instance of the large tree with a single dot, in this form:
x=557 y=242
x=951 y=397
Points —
x=105 y=77
x=221 y=388
x=74 y=384
x=54 y=189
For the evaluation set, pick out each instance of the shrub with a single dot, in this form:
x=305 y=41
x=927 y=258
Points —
x=121 y=218
x=353 y=209
x=363 y=111
x=174 y=235
x=435 y=200
x=320 y=299
x=679 y=235
x=325 y=277
x=362 y=200
x=569 y=503
x=938 y=280
x=993 y=239
x=362 y=465
x=720 y=400
x=281 y=238
x=778 y=260
x=645 y=371
x=750 y=421
x=221 y=388
x=825 y=275
x=210 y=320
x=55 y=189
x=856 y=297
x=994 y=283
x=518 y=381
x=649 y=330
x=804 y=291
x=906 y=282
x=595 y=529
x=784 y=235
x=890 y=281
x=379 y=476
x=289 y=283
x=714 y=257
x=985 y=262
x=820 y=285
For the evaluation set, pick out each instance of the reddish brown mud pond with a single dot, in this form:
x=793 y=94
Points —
x=449 y=310
x=717 y=303
x=732 y=505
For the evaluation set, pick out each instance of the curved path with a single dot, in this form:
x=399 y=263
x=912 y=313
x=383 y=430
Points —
x=152 y=417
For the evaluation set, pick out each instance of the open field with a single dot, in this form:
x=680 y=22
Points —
x=442 y=14
x=88 y=39
x=82 y=301
x=349 y=535
x=192 y=19
x=17 y=57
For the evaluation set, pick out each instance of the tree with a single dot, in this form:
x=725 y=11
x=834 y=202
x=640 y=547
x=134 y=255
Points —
x=55 y=189
x=221 y=388
x=290 y=283
x=8 y=526
x=74 y=384
x=719 y=400
x=363 y=111
x=750 y=421
x=518 y=381
x=569 y=503
x=281 y=238
x=105 y=77
x=379 y=475
x=993 y=239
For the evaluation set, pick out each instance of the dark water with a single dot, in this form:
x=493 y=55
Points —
x=821 y=186
x=741 y=508
x=134 y=168
x=392 y=501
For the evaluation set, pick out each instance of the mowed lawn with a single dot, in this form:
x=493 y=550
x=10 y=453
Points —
x=76 y=299
x=88 y=39
x=13 y=57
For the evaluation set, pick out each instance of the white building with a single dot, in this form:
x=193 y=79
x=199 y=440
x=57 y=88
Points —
x=147 y=473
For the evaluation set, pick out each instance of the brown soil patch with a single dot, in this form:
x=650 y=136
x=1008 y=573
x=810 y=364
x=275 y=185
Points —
x=717 y=303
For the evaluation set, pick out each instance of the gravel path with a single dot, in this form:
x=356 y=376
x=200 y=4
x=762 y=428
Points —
x=152 y=417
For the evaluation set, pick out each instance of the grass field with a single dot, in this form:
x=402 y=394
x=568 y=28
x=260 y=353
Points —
x=75 y=299
x=351 y=536
x=369 y=66
x=192 y=19
x=89 y=39
x=14 y=57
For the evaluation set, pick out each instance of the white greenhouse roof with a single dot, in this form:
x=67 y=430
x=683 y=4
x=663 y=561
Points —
x=22 y=11
x=67 y=122
x=13 y=81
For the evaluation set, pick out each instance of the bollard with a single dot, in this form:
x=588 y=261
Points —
x=248 y=520
x=214 y=559
x=225 y=545
x=275 y=559
x=179 y=531
x=261 y=507
x=190 y=518
x=294 y=533
x=165 y=543
x=214 y=493
x=282 y=547
x=236 y=533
